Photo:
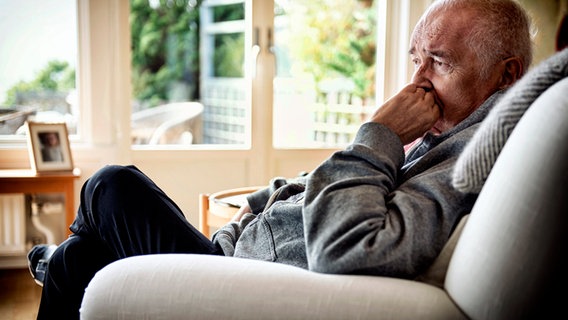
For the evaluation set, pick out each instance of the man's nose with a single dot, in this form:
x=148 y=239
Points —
x=421 y=77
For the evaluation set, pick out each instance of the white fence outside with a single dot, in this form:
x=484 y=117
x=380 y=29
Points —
x=330 y=119
x=225 y=111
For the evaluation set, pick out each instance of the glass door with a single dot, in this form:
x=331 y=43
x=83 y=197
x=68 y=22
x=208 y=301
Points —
x=325 y=77
x=192 y=62
x=188 y=73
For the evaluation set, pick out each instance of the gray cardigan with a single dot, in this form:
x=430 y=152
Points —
x=366 y=210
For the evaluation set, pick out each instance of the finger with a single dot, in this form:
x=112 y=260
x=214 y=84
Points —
x=420 y=90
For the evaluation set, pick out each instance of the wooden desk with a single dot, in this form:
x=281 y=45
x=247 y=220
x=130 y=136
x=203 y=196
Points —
x=28 y=182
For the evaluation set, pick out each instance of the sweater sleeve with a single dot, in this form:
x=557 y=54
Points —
x=260 y=198
x=359 y=220
x=227 y=236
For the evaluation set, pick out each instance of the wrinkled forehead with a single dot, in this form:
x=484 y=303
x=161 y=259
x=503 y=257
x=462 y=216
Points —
x=449 y=25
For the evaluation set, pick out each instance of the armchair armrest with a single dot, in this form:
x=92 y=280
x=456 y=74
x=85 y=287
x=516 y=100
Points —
x=176 y=286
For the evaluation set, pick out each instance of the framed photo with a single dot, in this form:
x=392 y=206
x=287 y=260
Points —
x=48 y=145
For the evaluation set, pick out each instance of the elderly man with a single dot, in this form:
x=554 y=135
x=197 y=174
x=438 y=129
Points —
x=368 y=209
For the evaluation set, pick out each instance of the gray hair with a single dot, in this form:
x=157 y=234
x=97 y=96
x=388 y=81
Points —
x=501 y=29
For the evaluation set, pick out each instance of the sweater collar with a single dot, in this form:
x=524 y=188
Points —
x=430 y=140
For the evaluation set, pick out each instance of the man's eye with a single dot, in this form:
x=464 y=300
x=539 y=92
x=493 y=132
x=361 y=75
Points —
x=442 y=66
x=416 y=62
x=439 y=63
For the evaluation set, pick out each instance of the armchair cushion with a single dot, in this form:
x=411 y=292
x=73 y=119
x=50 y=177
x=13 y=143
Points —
x=185 y=286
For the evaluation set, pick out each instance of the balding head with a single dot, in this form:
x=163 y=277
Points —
x=497 y=29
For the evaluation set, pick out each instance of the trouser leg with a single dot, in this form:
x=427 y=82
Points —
x=130 y=214
x=70 y=269
x=122 y=213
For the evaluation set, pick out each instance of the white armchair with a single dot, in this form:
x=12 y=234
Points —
x=510 y=261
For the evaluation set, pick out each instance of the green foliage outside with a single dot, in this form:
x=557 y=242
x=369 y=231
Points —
x=57 y=76
x=334 y=38
x=229 y=55
x=165 y=50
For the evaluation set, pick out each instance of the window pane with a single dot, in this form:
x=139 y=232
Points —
x=37 y=63
x=179 y=96
x=324 y=88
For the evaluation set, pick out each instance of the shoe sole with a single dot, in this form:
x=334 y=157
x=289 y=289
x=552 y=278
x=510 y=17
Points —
x=48 y=252
x=40 y=283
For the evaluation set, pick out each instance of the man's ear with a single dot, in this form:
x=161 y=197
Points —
x=512 y=71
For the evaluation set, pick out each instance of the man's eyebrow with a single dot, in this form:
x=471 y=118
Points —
x=433 y=53
x=438 y=53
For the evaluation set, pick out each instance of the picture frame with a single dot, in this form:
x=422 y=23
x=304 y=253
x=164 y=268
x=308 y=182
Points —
x=48 y=146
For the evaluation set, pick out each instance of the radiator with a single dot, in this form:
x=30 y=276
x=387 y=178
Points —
x=12 y=224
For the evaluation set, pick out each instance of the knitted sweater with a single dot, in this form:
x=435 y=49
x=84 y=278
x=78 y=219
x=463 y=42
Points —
x=366 y=210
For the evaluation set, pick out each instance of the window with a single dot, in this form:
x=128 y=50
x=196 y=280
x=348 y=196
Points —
x=325 y=80
x=37 y=64
x=206 y=61
x=187 y=73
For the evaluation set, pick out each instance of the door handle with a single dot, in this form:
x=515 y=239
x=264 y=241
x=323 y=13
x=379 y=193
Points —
x=255 y=51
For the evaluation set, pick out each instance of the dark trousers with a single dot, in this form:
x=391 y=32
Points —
x=122 y=213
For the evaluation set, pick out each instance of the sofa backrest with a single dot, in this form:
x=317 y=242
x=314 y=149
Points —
x=511 y=259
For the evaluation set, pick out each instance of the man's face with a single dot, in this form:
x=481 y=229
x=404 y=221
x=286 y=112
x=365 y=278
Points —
x=446 y=65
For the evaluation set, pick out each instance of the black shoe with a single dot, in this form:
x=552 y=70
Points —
x=38 y=257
